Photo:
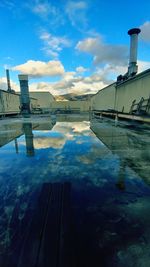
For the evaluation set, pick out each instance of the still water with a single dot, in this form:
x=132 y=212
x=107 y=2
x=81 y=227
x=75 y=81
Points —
x=109 y=170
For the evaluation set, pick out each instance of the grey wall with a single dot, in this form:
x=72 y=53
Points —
x=120 y=97
x=105 y=98
x=9 y=102
x=131 y=90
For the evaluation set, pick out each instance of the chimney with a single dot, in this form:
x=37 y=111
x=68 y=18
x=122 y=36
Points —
x=25 y=99
x=8 y=81
x=133 y=68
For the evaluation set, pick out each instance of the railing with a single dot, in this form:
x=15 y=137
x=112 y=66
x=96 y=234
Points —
x=142 y=107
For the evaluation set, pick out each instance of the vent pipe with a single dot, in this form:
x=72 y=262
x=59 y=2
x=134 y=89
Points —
x=8 y=81
x=25 y=99
x=133 y=68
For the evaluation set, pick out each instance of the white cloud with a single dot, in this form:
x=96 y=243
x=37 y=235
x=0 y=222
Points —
x=83 y=87
x=109 y=72
x=76 y=11
x=47 y=142
x=70 y=129
x=143 y=65
x=72 y=83
x=43 y=9
x=81 y=69
x=145 y=31
x=117 y=70
x=46 y=11
x=3 y=84
x=37 y=69
x=53 y=45
x=102 y=52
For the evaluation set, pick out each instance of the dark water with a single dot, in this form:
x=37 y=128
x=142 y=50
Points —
x=109 y=170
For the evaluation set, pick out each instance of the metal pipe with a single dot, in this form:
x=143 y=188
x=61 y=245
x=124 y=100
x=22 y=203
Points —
x=133 y=68
x=25 y=99
x=8 y=81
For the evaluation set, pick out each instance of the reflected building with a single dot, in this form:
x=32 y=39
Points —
x=72 y=118
x=132 y=147
x=12 y=131
x=29 y=137
x=9 y=132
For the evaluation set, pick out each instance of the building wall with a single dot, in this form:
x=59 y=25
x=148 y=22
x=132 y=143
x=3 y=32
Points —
x=45 y=99
x=131 y=90
x=33 y=103
x=9 y=102
x=71 y=105
x=120 y=97
x=104 y=99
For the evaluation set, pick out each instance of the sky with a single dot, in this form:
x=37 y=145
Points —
x=68 y=46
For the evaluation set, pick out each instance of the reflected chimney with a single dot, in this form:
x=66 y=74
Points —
x=133 y=68
x=25 y=99
x=29 y=139
x=121 y=176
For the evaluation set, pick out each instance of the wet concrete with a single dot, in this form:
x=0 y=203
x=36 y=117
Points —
x=108 y=168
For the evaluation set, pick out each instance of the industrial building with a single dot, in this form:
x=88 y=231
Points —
x=45 y=100
x=10 y=103
x=70 y=106
x=128 y=97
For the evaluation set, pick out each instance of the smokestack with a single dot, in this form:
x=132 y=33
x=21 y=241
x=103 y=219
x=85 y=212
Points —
x=8 y=81
x=25 y=99
x=133 y=68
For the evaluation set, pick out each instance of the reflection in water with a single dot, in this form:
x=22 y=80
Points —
x=132 y=147
x=16 y=146
x=9 y=132
x=121 y=176
x=27 y=128
x=112 y=226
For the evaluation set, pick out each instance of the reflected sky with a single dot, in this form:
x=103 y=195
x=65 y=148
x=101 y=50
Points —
x=109 y=170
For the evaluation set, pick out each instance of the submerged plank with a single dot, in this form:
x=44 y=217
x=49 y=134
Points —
x=55 y=245
x=43 y=237
x=47 y=241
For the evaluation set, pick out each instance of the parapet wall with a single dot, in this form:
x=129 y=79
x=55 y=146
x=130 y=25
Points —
x=132 y=90
x=120 y=97
x=9 y=103
x=81 y=106
x=44 y=99
x=105 y=98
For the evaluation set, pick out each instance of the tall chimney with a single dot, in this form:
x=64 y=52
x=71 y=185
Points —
x=8 y=81
x=25 y=99
x=133 y=68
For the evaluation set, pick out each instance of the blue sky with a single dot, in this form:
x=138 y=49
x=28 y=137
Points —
x=70 y=46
